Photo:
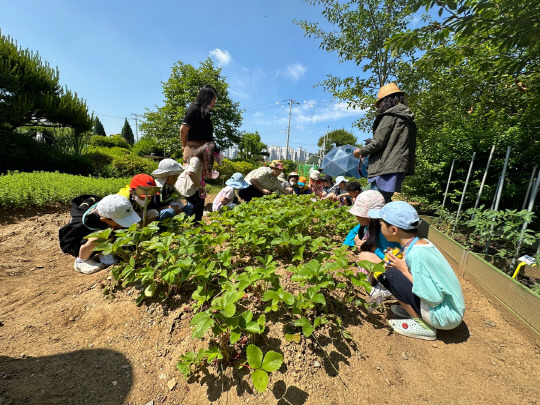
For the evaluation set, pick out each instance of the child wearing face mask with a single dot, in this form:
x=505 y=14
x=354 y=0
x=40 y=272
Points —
x=292 y=179
x=138 y=201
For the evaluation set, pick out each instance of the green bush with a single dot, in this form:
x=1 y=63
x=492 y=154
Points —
x=147 y=146
x=109 y=141
x=41 y=189
x=228 y=168
x=21 y=152
x=128 y=166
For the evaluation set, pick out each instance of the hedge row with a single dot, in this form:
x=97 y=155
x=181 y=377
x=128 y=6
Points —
x=41 y=189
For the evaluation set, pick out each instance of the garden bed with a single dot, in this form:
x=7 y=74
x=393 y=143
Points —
x=520 y=300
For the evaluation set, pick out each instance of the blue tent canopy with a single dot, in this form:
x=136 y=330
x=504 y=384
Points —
x=341 y=162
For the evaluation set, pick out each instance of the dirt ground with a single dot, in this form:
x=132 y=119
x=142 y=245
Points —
x=63 y=341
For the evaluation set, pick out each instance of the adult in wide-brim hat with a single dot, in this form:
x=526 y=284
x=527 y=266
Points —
x=386 y=90
x=392 y=152
x=276 y=164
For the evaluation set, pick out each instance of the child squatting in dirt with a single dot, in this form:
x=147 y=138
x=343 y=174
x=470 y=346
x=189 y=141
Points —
x=113 y=211
x=422 y=281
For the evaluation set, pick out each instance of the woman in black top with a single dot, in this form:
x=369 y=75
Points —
x=197 y=129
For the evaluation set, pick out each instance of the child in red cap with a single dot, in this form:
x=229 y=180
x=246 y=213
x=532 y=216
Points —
x=138 y=201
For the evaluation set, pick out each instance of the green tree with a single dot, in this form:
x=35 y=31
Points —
x=30 y=93
x=337 y=137
x=250 y=146
x=127 y=133
x=511 y=28
x=180 y=91
x=362 y=29
x=98 y=128
x=460 y=111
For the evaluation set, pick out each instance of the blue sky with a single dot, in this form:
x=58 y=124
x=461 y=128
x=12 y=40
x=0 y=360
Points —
x=115 y=54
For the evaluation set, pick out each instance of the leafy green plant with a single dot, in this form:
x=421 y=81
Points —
x=261 y=366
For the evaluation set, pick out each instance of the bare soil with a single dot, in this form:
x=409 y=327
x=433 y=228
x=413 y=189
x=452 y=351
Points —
x=63 y=341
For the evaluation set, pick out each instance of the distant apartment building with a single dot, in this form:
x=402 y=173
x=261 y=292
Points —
x=274 y=153
x=280 y=153
x=231 y=153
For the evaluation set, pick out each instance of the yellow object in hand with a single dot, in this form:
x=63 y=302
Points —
x=396 y=252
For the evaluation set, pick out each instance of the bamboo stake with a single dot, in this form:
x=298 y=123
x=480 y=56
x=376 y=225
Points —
x=499 y=194
x=448 y=184
x=529 y=188
x=526 y=224
x=485 y=176
x=464 y=190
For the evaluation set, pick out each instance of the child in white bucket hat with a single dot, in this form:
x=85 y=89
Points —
x=87 y=216
x=168 y=200
x=227 y=196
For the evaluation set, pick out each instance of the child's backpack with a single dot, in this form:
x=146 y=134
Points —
x=70 y=235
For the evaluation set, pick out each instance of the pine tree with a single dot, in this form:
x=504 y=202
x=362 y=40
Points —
x=127 y=133
x=98 y=128
x=31 y=95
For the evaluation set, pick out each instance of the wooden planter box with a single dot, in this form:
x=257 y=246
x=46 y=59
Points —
x=520 y=300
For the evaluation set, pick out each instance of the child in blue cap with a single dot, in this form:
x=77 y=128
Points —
x=227 y=197
x=423 y=281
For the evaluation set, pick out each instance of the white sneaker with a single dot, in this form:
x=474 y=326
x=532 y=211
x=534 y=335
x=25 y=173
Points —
x=378 y=294
x=87 y=266
x=108 y=260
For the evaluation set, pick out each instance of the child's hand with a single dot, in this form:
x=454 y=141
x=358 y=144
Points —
x=396 y=262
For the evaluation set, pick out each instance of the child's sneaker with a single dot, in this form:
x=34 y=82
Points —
x=415 y=328
x=378 y=294
x=397 y=310
x=87 y=266
x=108 y=260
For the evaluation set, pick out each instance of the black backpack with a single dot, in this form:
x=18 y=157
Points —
x=71 y=234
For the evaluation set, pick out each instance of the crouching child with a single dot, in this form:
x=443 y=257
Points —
x=422 y=281
x=88 y=216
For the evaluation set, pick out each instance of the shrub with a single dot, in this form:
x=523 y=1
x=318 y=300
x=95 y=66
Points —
x=41 y=189
x=228 y=168
x=109 y=141
x=147 y=146
x=21 y=152
x=128 y=166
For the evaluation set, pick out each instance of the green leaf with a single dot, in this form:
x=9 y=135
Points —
x=235 y=336
x=307 y=329
x=202 y=322
x=272 y=361
x=269 y=295
x=319 y=299
x=150 y=290
x=292 y=337
x=254 y=356
x=260 y=380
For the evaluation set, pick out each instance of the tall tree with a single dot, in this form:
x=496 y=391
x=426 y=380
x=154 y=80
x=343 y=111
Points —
x=361 y=29
x=127 y=133
x=337 y=137
x=30 y=93
x=98 y=128
x=180 y=91
x=250 y=146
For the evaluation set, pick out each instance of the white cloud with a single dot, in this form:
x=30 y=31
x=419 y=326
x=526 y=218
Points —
x=223 y=58
x=309 y=115
x=246 y=81
x=295 y=71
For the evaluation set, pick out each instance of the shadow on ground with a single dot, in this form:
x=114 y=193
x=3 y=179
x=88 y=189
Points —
x=98 y=376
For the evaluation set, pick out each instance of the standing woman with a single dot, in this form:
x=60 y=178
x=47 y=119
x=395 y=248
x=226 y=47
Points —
x=392 y=152
x=191 y=181
x=197 y=129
